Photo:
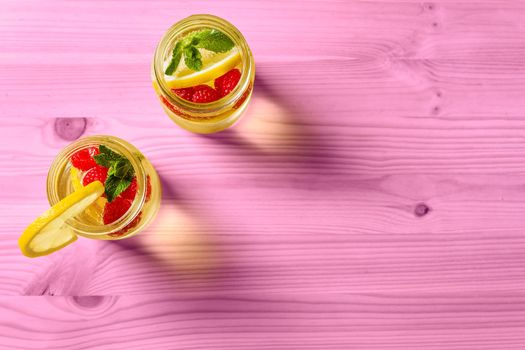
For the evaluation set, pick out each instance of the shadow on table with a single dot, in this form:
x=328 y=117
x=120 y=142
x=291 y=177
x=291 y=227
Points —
x=274 y=131
x=180 y=243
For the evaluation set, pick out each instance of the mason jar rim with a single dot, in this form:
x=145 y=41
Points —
x=189 y=24
x=118 y=145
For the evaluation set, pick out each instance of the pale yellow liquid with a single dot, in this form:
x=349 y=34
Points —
x=93 y=215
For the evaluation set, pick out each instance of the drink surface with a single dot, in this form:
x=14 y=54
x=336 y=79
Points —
x=204 y=66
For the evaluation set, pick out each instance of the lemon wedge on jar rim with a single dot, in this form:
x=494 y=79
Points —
x=49 y=232
x=214 y=66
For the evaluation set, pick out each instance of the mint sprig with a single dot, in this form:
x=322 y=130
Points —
x=192 y=58
x=120 y=171
x=209 y=39
x=213 y=40
x=106 y=157
x=115 y=186
x=177 y=55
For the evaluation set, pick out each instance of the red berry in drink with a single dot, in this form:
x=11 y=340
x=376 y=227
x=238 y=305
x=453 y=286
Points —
x=227 y=82
x=115 y=210
x=204 y=94
x=131 y=191
x=185 y=93
x=148 y=189
x=97 y=173
x=83 y=159
x=128 y=227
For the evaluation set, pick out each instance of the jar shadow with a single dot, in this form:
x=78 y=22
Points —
x=268 y=122
x=180 y=243
x=273 y=131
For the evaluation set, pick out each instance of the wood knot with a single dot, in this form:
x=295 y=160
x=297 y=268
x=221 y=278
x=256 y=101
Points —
x=70 y=129
x=436 y=110
x=429 y=6
x=88 y=301
x=92 y=306
x=421 y=210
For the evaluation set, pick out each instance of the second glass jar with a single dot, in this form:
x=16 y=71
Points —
x=216 y=115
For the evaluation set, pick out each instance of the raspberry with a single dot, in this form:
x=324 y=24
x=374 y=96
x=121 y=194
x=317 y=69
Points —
x=204 y=94
x=128 y=227
x=115 y=210
x=186 y=93
x=148 y=189
x=131 y=191
x=227 y=82
x=83 y=159
x=96 y=173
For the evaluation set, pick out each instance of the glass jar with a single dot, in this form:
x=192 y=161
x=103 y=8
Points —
x=144 y=206
x=210 y=117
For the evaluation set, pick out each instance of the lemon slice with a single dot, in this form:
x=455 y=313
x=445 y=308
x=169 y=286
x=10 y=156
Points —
x=49 y=232
x=75 y=178
x=94 y=211
x=214 y=65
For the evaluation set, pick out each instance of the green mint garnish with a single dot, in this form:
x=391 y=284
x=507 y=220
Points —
x=177 y=55
x=192 y=58
x=115 y=186
x=209 y=39
x=106 y=157
x=213 y=40
x=120 y=171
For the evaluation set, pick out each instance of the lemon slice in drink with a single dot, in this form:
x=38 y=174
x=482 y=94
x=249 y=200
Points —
x=49 y=232
x=214 y=65
x=75 y=179
x=94 y=211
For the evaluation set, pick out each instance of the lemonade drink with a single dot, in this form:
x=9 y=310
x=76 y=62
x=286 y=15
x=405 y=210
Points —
x=203 y=73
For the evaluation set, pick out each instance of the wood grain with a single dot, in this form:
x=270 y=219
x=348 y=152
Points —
x=371 y=198
x=198 y=321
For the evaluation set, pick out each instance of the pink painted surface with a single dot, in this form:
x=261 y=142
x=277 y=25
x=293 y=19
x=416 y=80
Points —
x=372 y=198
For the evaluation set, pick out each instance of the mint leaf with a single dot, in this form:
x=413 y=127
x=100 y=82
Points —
x=214 y=40
x=106 y=157
x=104 y=160
x=175 y=59
x=192 y=58
x=115 y=186
x=209 y=39
x=194 y=40
x=120 y=171
x=120 y=175
x=106 y=150
x=174 y=63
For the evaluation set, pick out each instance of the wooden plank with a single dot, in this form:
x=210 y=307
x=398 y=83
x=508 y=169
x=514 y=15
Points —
x=297 y=245
x=199 y=321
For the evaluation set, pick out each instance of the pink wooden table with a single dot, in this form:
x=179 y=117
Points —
x=372 y=197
